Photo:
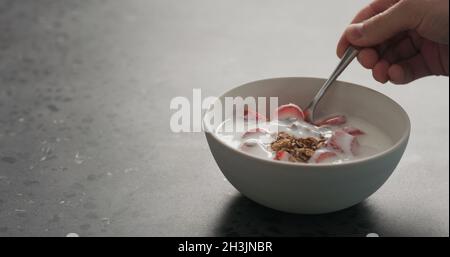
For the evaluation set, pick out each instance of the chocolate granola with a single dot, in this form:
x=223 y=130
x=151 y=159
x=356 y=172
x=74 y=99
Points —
x=300 y=149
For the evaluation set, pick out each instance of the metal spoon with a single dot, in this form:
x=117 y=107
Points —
x=348 y=57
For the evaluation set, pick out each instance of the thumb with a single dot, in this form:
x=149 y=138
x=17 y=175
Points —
x=402 y=16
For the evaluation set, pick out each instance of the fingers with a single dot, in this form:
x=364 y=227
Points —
x=364 y=14
x=378 y=59
x=409 y=70
x=380 y=71
x=402 y=72
x=399 y=18
x=368 y=57
x=342 y=46
x=412 y=57
x=405 y=49
x=376 y=7
x=395 y=59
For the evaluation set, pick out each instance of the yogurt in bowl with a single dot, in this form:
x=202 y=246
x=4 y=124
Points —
x=288 y=137
x=365 y=150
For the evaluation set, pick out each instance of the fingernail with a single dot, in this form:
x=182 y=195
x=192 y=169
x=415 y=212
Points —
x=355 y=31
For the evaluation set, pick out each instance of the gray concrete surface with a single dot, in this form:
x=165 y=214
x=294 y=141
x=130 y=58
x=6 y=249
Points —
x=85 y=145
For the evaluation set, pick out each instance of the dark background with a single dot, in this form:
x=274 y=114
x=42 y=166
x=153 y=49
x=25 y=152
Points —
x=85 y=144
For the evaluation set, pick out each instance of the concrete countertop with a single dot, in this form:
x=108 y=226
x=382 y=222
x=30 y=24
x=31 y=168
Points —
x=85 y=144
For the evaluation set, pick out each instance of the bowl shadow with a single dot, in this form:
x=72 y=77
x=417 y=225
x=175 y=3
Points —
x=243 y=217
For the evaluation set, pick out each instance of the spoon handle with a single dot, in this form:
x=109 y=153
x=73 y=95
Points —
x=348 y=57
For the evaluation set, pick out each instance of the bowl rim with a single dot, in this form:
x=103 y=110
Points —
x=391 y=149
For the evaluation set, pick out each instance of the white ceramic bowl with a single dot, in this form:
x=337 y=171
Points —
x=321 y=188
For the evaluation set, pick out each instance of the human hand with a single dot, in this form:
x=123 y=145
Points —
x=401 y=40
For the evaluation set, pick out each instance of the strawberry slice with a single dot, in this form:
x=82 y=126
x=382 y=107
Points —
x=250 y=114
x=282 y=156
x=354 y=131
x=344 y=142
x=289 y=111
x=321 y=155
x=333 y=121
x=255 y=131
x=249 y=143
